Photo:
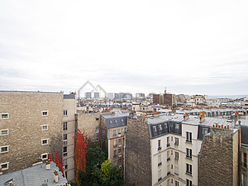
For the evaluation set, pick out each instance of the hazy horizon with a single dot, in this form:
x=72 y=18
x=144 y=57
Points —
x=189 y=47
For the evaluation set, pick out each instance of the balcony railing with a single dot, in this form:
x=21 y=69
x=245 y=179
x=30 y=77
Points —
x=189 y=157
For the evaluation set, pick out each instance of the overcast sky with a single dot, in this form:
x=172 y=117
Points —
x=188 y=46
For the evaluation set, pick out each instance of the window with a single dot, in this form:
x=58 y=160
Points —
x=171 y=138
x=176 y=183
x=204 y=131
x=44 y=113
x=154 y=129
x=176 y=141
x=188 y=182
x=160 y=127
x=119 y=141
x=97 y=130
x=159 y=175
x=177 y=127
x=64 y=136
x=4 y=149
x=64 y=149
x=115 y=142
x=188 y=169
x=65 y=112
x=44 y=156
x=119 y=150
x=115 y=154
x=4 y=132
x=189 y=137
x=245 y=160
x=65 y=126
x=159 y=144
x=168 y=141
x=114 y=132
x=176 y=156
x=4 y=115
x=44 y=127
x=44 y=141
x=159 y=160
x=97 y=119
x=4 y=166
x=188 y=153
x=119 y=131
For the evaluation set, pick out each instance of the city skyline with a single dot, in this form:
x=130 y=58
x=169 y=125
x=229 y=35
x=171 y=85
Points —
x=132 y=46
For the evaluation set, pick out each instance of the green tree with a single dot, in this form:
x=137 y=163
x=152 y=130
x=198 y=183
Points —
x=111 y=175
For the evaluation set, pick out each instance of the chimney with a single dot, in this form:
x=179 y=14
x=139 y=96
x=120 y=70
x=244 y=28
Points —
x=48 y=165
x=186 y=116
x=202 y=118
x=56 y=176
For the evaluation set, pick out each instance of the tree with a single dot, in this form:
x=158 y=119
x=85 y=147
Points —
x=111 y=175
x=81 y=146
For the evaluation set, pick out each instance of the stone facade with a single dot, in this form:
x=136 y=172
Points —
x=69 y=110
x=89 y=123
x=218 y=158
x=25 y=127
x=138 y=156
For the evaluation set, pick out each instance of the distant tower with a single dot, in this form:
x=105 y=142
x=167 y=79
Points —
x=165 y=88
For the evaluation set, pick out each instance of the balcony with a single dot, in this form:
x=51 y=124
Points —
x=189 y=157
x=189 y=173
x=188 y=141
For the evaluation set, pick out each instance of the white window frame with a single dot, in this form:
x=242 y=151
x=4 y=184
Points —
x=2 y=115
x=4 y=151
x=45 y=143
x=65 y=112
x=3 y=164
x=4 y=134
x=42 y=155
x=44 y=111
x=43 y=126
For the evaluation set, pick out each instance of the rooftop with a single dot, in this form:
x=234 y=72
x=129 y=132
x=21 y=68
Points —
x=35 y=175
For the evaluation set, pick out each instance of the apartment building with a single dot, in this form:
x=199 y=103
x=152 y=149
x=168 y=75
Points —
x=114 y=127
x=168 y=150
x=68 y=132
x=34 y=125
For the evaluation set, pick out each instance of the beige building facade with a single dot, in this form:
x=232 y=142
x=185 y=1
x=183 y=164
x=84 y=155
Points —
x=30 y=127
x=34 y=125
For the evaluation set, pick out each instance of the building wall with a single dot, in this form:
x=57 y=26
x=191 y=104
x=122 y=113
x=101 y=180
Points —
x=156 y=99
x=138 y=155
x=24 y=124
x=244 y=169
x=69 y=105
x=117 y=146
x=176 y=168
x=89 y=123
x=216 y=166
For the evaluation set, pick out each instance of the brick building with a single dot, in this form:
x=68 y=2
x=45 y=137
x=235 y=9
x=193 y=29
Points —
x=181 y=150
